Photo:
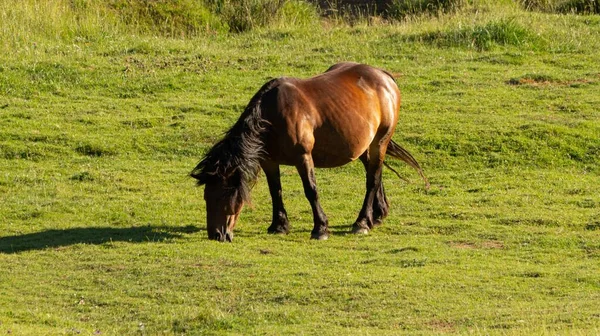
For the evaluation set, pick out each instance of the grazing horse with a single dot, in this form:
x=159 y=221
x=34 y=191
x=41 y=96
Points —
x=347 y=113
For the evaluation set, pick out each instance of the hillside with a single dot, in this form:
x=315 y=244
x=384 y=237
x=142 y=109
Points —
x=104 y=110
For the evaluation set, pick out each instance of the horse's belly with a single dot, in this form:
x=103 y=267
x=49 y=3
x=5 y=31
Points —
x=335 y=150
x=329 y=160
x=326 y=153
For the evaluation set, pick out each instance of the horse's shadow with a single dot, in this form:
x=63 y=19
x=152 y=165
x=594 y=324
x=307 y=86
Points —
x=93 y=235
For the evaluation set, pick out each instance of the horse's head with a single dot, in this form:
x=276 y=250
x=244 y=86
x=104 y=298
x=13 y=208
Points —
x=228 y=172
x=224 y=202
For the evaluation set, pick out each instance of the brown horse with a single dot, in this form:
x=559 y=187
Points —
x=347 y=113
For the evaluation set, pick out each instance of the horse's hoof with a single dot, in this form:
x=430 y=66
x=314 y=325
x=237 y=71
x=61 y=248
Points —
x=283 y=230
x=357 y=229
x=319 y=236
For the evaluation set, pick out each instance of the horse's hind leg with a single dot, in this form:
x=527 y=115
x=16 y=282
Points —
x=280 y=223
x=381 y=207
x=381 y=204
x=375 y=204
x=306 y=169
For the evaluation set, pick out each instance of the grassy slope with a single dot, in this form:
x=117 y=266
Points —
x=103 y=232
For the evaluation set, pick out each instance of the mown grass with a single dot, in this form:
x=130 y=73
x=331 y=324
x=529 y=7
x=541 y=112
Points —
x=103 y=232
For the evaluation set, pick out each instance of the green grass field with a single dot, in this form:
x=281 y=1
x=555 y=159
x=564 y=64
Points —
x=103 y=233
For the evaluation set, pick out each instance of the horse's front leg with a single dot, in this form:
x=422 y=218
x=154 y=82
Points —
x=280 y=222
x=306 y=169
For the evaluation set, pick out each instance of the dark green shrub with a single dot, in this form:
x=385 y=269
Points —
x=563 y=6
x=580 y=7
x=399 y=9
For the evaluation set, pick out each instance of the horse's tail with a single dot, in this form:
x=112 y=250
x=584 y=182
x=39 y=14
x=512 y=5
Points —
x=396 y=151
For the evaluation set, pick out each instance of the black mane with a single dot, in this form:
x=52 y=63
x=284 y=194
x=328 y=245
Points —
x=235 y=159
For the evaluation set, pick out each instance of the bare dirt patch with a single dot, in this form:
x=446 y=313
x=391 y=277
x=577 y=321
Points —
x=440 y=326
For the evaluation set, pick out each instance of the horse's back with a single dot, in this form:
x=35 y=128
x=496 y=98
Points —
x=335 y=116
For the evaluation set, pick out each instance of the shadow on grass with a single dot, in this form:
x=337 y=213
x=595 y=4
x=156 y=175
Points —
x=93 y=235
x=341 y=230
x=335 y=230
